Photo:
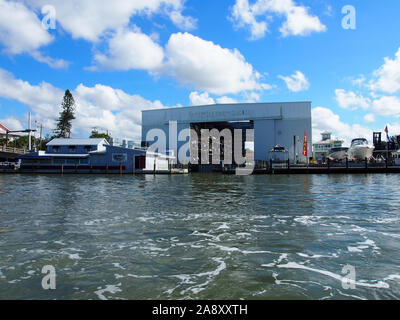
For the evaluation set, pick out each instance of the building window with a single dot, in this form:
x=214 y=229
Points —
x=56 y=149
x=88 y=149
x=119 y=157
x=72 y=149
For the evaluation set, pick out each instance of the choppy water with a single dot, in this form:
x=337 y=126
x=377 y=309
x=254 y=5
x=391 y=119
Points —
x=200 y=236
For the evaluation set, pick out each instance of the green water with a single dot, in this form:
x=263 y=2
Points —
x=199 y=236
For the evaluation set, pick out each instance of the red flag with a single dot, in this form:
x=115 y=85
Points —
x=305 y=145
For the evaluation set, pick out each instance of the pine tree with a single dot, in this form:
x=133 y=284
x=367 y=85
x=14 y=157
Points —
x=64 y=124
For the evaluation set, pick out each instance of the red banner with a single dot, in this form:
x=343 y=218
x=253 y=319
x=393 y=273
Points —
x=305 y=145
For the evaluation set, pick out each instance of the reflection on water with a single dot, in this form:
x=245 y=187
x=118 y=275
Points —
x=199 y=236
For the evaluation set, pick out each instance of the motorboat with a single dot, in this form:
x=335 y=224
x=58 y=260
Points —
x=338 y=153
x=360 y=150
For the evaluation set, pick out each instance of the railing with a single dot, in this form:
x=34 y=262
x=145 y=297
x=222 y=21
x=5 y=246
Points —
x=13 y=150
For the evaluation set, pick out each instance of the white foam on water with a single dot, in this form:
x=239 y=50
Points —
x=392 y=277
x=351 y=295
x=243 y=234
x=283 y=256
x=294 y=265
x=210 y=275
x=254 y=252
x=227 y=249
x=308 y=220
x=397 y=236
x=354 y=249
x=145 y=219
x=223 y=226
x=368 y=243
x=316 y=256
x=110 y=289
x=74 y=256
x=140 y=277
x=117 y=265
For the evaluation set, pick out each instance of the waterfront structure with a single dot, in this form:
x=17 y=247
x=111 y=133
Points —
x=282 y=123
x=92 y=156
x=321 y=148
x=3 y=133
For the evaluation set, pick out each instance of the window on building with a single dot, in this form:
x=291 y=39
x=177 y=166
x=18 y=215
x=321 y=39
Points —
x=56 y=149
x=88 y=149
x=72 y=149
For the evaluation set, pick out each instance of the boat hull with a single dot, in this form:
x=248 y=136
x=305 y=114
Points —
x=337 y=156
x=359 y=153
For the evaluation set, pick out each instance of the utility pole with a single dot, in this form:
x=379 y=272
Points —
x=30 y=132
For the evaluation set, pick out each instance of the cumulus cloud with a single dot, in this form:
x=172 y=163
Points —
x=130 y=50
x=97 y=106
x=91 y=19
x=296 y=82
x=12 y=123
x=387 y=106
x=191 y=60
x=323 y=119
x=387 y=76
x=299 y=22
x=21 y=32
x=209 y=67
x=200 y=99
x=349 y=99
x=370 y=117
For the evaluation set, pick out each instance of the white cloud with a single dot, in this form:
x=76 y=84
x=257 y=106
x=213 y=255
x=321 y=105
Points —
x=348 y=99
x=12 y=123
x=130 y=50
x=21 y=32
x=388 y=76
x=209 y=67
x=243 y=15
x=296 y=82
x=226 y=100
x=182 y=22
x=387 y=106
x=200 y=99
x=91 y=19
x=20 y=29
x=299 y=22
x=323 y=119
x=370 y=117
x=43 y=97
x=98 y=106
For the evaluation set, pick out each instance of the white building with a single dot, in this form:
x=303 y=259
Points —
x=321 y=148
x=273 y=123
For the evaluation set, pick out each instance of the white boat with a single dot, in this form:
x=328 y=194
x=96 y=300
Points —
x=359 y=150
x=338 y=154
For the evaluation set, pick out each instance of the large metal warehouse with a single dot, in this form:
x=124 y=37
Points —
x=282 y=123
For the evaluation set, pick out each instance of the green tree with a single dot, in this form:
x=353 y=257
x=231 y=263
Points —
x=96 y=134
x=23 y=142
x=64 y=124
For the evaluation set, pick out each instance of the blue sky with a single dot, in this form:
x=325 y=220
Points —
x=121 y=57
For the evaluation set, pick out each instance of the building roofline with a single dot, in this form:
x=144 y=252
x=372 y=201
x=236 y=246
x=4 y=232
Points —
x=4 y=127
x=76 y=141
x=226 y=104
